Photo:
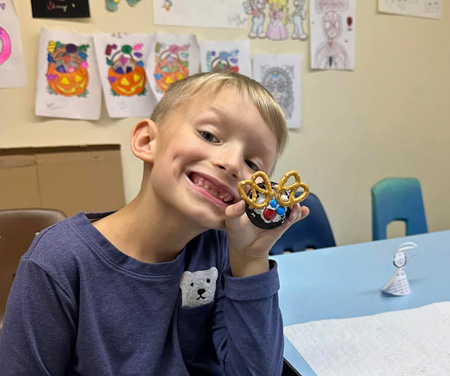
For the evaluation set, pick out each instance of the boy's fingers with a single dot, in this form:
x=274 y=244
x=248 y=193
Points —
x=235 y=210
x=298 y=213
x=233 y=214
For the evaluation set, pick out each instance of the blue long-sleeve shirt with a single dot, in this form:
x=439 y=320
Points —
x=79 y=306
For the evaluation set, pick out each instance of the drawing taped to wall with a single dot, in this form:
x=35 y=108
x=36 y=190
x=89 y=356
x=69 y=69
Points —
x=333 y=34
x=226 y=56
x=67 y=81
x=12 y=66
x=200 y=13
x=281 y=75
x=121 y=58
x=416 y=8
x=67 y=72
x=60 y=8
x=171 y=58
x=272 y=19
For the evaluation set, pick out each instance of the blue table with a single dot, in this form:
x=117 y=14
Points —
x=346 y=281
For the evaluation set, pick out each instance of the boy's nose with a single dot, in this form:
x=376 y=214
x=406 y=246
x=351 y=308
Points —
x=229 y=170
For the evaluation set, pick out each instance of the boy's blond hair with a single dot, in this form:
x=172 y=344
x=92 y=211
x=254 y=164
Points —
x=181 y=91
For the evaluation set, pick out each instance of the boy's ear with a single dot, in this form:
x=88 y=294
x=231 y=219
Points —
x=143 y=140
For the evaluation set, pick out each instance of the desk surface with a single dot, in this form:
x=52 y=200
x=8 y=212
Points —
x=346 y=281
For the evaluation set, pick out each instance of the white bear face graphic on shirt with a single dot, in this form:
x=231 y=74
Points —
x=198 y=288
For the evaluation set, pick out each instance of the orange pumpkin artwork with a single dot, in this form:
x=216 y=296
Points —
x=126 y=74
x=171 y=64
x=67 y=72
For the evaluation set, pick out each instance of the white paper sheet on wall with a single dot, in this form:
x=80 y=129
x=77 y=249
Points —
x=415 y=8
x=332 y=28
x=281 y=75
x=121 y=59
x=12 y=66
x=409 y=342
x=226 y=56
x=172 y=57
x=200 y=13
x=68 y=84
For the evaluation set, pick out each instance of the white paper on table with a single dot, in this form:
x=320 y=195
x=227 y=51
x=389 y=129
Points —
x=398 y=284
x=409 y=342
x=416 y=8
x=172 y=57
x=125 y=85
x=225 y=56
x=75 y=94
x=200 y=13
x=12 y=65
x=332 y=29
x=281 y=75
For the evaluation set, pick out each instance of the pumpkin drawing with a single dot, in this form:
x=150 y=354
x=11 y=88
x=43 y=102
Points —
x=67 y=72
x=223 y=61
x=126 y=74
x=172 y=65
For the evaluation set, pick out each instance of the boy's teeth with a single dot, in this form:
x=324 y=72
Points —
x=223 y=196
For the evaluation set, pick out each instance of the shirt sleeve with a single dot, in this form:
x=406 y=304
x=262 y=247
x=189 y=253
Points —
x=39 y=327
x=247 y=326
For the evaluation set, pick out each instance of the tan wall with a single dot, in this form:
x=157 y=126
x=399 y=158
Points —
x=389 y=117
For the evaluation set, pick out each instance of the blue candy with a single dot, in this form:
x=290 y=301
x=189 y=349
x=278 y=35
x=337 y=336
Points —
x=281 y=210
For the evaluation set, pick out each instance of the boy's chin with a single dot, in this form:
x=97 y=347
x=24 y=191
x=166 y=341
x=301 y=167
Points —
x=212 y=224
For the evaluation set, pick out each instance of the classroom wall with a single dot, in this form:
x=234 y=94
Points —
x=389 y=117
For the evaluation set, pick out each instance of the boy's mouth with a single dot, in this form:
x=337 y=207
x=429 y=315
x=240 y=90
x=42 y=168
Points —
x=211 y=188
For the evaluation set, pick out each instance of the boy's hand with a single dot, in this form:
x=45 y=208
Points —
x=249 y=245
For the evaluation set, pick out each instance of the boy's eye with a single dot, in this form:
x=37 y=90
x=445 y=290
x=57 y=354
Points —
x=252 y=165
x=209 y=137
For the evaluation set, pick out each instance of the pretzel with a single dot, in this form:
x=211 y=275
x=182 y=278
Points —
x=292 y=189
x=269 y=192
x=254 y=187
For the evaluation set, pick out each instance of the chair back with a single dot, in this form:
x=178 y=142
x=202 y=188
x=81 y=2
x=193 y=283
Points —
x=312 y=232
x=397 y=199
x=18 y=227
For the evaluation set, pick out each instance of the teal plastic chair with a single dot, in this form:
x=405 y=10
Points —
x=397 y=199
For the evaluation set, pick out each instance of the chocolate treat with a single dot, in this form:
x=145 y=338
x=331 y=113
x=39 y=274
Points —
x=269 y=204
x=272 y=216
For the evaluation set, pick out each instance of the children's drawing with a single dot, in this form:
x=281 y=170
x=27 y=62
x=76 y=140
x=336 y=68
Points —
x=226 y=56
x=297 y=19
x=126 y=74
x=112 y=6
x=67 y=72
x=172 y=64
x=167 y=5
x=60 y=8
x=172 y=58
x=332 y=34
x=416 y=8
x=12 y=66
x=121 y=58
x=67 y=82
x=200 y=13
x=5 y=47
x=220 y=61
x=255 y=8
x=278 y=81
x=281 y=75
x=278 y=15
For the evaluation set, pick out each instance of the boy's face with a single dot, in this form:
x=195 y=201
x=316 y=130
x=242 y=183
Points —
x=204 y=149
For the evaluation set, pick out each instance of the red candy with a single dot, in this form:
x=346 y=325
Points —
x=269 y=214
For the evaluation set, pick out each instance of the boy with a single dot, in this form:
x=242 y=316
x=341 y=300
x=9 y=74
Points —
x=154 y=288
